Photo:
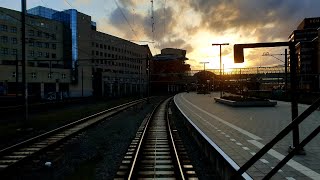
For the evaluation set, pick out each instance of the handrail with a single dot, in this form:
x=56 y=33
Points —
x=280 y=136
x=293 y=152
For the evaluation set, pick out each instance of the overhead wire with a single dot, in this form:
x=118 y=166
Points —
x=125 y=19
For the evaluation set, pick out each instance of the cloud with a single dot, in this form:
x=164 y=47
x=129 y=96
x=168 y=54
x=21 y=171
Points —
x=126 y=3
x=164 y=27
x=178 y=23
x=82 y=2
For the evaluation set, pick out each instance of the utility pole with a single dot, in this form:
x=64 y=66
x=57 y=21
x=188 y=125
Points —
x=204 y=70
x=82 y=81
x=17 y=77
x=220 y=44
x=286 y=69
x=24 y=59
x=148 y=67
x=294 y=98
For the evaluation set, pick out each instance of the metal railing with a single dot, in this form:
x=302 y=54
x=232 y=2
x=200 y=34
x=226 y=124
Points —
x=294 y=124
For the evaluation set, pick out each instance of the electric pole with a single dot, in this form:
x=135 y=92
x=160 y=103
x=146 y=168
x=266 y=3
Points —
x=24 y=60
x=220 y=44
x=204 y=70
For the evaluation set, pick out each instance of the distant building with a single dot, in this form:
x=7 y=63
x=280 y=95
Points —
x=67 y=55
x=306 y=38
x=168 y=71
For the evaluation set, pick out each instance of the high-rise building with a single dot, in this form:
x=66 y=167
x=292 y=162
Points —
x=307 y=44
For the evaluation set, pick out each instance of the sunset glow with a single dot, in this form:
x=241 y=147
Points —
x=194 y=25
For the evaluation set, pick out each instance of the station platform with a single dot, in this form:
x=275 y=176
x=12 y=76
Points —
x=240 y=132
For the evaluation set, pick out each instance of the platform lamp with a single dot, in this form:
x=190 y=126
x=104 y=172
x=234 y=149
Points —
x=220 y=44
x=204 y=68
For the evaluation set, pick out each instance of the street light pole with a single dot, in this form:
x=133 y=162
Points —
x=17 y=77
x=220 y=44
x=204 y=68
x=24 y=59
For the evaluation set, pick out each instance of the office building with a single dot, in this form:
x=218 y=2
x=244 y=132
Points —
x=81 y=61
x=307 y=44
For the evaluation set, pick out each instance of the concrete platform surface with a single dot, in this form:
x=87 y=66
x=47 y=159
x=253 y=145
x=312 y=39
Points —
x=242 y=131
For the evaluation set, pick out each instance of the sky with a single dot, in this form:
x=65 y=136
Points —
x=195 y=24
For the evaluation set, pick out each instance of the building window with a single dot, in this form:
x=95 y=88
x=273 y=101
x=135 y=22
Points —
x=39 y=54
x=39 y=33
x=3 y=27
x=4 y=51
x=49 y=75
x=4 y=39
x=92 y=44
x=13 y=29
x=112 y=48
x=108 y=47
x=31 y=53
x=47 y=35
x=14 y=74
x=14 y=51
x=105 y=54
x=63 y=76
x=92 y=52
x=101 y=54
x=54 y=46
x=53 y=55
x=104 y=46
x=46 y=45
x=33 y=75
x=97 y=45
x=97 y=53
x=101 y=46
x=112 y=55
x=39 y=44
x=53 y=37
x=47 y=55
x=31 y=33
x=14 y=40
x=31 y=43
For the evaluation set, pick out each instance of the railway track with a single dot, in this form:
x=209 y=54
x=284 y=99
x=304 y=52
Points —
x=157 y=150
x=13 y=156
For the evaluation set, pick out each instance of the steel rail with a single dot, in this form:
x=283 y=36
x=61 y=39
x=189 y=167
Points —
x=144 y=140
x=141 y=140
x=173 y=144
x=72 y=127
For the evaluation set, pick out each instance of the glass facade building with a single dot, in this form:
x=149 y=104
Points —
x=74 y=34
x=42 y=11
x=69 y=18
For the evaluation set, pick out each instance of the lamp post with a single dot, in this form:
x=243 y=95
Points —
x=24 y=60
x=220 y=44
x=17 y=77
x=204 y=68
